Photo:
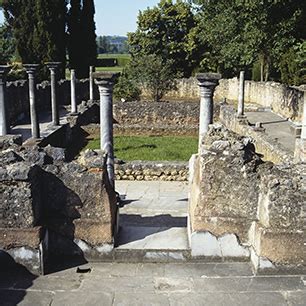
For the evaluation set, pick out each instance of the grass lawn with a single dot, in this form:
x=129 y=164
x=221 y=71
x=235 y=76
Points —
x=114 y=56
x=152 y=148
x=110 y=69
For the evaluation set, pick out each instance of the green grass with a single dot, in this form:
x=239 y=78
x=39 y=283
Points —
x=110 y=69
x=152 y=148
x=114 y=56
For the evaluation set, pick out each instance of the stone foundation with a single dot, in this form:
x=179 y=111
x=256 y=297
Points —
x=243 y=207
x=152 y=171
x=270 y=149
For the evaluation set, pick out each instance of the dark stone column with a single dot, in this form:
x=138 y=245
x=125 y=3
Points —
x=105 y=81
x=53 y=66
x=4 y=120
x=31 y=70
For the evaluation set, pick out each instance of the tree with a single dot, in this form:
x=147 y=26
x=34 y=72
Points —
x=82 y=44
x=39 y=30
x=167 y=31
x=239 y=33
x=74 y=30
x=153 y=74
x=88 y=35
x=7 y=44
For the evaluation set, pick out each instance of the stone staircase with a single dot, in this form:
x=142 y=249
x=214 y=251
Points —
x=152 y=222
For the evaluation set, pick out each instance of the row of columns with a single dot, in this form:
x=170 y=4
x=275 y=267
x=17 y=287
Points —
x=31 y=70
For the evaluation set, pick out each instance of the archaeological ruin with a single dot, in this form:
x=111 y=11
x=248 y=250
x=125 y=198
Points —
x=246 y=184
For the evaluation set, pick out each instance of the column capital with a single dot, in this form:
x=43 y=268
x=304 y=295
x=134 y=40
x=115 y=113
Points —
x=53 y=65
x=208 y=79
x=105 y=79
x=3 y=70
x=31 y=68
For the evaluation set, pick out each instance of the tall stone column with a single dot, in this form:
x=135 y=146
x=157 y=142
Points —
x=207 y=83
x=53 y=66
x=240 y=113
x=105 y=82
x=74 y=108
x=31 y=70
x=4 y=121
x=91 y=83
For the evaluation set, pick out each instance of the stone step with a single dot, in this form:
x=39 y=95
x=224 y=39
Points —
x=150 y=255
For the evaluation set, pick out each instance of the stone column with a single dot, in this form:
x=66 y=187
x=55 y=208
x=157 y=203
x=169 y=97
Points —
x=207 y=83
x=240 y=113
x=31 y=69
x=53 y=66
x=74 y=108
x=4 y=120
x=91 y=83
x=105 y=81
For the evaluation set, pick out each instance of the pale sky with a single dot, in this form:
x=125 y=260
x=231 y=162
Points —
x=116 y=17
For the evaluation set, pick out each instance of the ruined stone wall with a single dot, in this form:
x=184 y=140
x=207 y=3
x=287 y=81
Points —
x=18 y=96
x=152 y=171
x=282 y=99
x=242 y=207
x=50 y=207
x=271 y=150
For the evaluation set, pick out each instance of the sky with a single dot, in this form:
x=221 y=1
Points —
x=116 y=17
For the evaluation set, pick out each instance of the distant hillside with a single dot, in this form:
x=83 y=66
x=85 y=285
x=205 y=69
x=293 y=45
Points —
x=112 y=44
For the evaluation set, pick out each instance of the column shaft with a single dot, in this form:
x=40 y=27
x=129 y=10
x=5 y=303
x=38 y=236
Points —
x=33 y=111
x=240 y=112
x=91 y=83
x=54 y=103
x=106 y=129
x=206 y=109
x=74 y=108
x=3 y=110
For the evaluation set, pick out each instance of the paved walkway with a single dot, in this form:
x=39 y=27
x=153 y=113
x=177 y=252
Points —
x=275 y=126
x=153 y=215
x=153 y=284
x=45 y=125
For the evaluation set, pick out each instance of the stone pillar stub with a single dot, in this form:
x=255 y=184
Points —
x=207 y=83
x=4 y=120
x=74 y=108
x=91 y=83
x=240 y=112
x=53 y=67
x=105 y=82
x=31 y=70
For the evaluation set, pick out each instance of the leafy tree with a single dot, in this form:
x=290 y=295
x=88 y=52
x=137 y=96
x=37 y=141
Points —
x=153 y=74
x=167 y=31
x=239 y=33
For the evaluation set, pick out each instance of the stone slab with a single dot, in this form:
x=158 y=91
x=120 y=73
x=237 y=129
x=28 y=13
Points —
x=153 y=238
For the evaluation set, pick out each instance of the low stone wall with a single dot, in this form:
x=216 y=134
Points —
x=152 y=171
x=271 y=149
x=50 y=207
x=18 y=96
x=282 y=99
x=243 y=207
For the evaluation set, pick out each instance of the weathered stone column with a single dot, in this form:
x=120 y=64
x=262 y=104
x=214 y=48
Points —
x=31 y=70
x=74 y=108
x=4 y=121
x=91 y=83
x=207 y=83
x=53 y=66
x=240 y=113
x=105 y=81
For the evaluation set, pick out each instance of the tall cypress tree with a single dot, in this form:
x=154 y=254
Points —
x=39 y=30
x=74 y=30
x=88 y=34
